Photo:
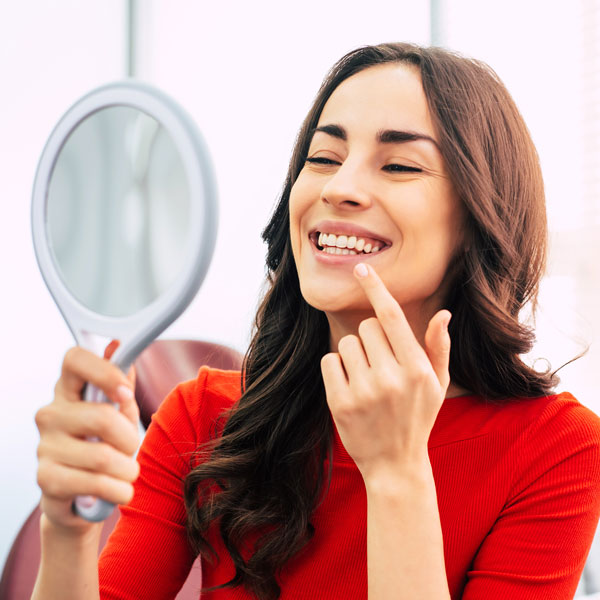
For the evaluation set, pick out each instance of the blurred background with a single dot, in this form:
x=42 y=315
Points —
x=247 y=72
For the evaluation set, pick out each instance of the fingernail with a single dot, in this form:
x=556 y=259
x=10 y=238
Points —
x=86 y=501
x=361 y=270
x=125 y=393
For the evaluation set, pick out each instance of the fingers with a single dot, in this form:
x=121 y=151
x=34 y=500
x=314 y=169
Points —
x=81 y=366
x=334 y=376
x=84 y=419
x=388 y=312
x=62 y=482
x=437 y=346
x=97 y=457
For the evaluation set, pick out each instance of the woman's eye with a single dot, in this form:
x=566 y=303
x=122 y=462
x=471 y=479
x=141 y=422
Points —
x=395 y=168
x=321 y=160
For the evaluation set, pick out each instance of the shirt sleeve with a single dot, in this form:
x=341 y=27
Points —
x=537 y=547
x=147 y=554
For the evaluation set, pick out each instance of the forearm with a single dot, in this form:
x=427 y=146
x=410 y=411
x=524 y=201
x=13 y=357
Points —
x=405 y=552
x=69 y=564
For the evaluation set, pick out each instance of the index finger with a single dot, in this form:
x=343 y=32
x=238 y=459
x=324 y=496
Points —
x=81 y=366
x=387 y=310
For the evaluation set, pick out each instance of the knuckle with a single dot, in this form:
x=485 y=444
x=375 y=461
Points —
x=133 y=471
x=390 y=385
x=419 y=375
x=367 y=325
x=366 y=393
x=128 y=492
x=44 y=417
x=42 y=450
x=348 y=342
x=102 y=459
x=99 y=419
x=389 y=313
x=49 y=479
x=71 y=357
x=328 y=360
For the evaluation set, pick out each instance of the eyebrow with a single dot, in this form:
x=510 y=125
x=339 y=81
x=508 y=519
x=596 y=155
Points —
x=384 y=136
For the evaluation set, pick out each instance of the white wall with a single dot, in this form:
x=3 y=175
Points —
x=50 y=54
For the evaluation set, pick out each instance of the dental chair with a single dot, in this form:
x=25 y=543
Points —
x=159 y=368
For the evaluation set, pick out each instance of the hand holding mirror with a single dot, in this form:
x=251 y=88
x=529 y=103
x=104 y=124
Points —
x=124 y=221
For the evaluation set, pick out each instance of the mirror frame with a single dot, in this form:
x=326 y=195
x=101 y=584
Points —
x=137 y=330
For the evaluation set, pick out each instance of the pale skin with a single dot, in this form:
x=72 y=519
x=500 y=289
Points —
x=384 y=391
x=70 y=466
x=386 y=376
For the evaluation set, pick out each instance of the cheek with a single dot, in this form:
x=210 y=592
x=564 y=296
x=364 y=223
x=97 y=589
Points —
x=301 y=199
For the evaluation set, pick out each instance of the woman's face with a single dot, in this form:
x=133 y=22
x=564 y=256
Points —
x=374 y=173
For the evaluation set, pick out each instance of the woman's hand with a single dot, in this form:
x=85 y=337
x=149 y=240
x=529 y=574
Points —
x=69 y=464
x=383 y=389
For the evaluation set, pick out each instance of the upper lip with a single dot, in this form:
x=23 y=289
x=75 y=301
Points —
x=343 y=228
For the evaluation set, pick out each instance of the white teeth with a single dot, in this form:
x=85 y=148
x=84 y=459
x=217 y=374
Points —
x=343 y=244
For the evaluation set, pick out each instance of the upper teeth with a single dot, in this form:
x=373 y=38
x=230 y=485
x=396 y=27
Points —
x=344 y=241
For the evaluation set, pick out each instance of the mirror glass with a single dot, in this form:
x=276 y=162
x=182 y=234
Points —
x=118 y=211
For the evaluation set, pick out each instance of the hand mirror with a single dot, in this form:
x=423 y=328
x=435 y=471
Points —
x=124 y=221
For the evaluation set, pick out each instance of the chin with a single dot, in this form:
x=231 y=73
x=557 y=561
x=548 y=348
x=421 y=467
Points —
x=332 y=300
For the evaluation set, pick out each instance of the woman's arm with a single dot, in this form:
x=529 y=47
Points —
x=385 y=391
x=69 y=563
x=404 y=538
x=70 y=465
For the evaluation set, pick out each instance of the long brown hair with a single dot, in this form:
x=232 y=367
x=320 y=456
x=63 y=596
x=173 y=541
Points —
x=263 y=476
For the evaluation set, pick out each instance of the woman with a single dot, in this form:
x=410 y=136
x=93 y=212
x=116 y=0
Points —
x=389 y=442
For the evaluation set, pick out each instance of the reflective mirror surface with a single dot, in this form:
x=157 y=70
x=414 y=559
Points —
x=118 y=211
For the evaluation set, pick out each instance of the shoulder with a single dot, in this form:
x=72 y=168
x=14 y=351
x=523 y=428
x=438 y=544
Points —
x=559 y=418
x=195 y=407
x=521 y=419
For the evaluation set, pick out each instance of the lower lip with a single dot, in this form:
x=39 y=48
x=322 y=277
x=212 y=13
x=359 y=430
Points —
x=342 y=259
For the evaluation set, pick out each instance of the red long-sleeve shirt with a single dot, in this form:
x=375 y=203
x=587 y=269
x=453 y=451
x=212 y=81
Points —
x=518 y=490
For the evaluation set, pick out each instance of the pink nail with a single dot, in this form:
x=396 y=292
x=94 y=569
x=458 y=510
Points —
x=86 y=501
x=361 y=270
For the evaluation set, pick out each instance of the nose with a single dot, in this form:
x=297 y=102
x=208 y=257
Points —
x=348 y=187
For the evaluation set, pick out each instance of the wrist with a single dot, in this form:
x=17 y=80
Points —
x=398 y=480
x=81 y=536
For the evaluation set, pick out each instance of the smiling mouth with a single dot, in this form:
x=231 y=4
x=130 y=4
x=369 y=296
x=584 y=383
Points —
x=331 y=243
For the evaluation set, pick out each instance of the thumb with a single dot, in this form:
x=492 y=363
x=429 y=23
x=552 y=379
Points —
x=437 y=346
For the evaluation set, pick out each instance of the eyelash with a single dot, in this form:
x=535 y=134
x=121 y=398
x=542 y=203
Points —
x=393 y=168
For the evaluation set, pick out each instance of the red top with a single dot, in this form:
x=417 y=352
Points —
x=518 y=490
